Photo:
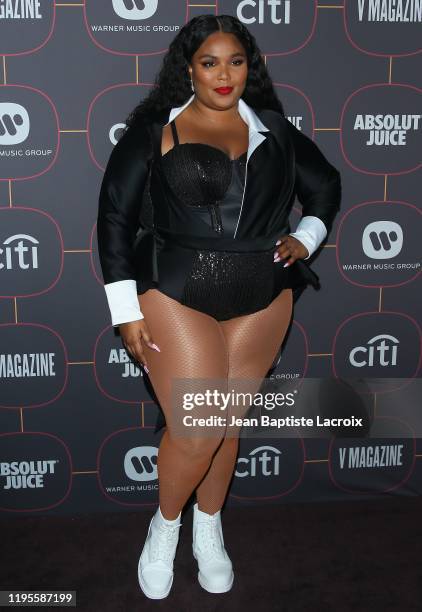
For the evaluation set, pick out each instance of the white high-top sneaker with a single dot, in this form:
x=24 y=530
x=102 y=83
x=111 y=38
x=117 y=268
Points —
x=155 y=566
x=215 y=568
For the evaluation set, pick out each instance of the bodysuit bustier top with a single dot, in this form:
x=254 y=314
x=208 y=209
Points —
x=205 y=178
x=199 y=207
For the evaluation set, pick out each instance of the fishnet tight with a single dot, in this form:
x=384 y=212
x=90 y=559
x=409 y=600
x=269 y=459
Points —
x=195 y=345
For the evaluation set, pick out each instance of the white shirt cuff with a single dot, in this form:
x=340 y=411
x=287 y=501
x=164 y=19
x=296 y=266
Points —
x=311 y=231
x=123 y=301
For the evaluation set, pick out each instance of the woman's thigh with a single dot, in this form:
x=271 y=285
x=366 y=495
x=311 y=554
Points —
x=193 y=355
x=253 y=342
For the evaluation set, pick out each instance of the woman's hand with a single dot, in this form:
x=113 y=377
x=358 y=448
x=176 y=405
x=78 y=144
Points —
x=291 y=249
x=133 y=335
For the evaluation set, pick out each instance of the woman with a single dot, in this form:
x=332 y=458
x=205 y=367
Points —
x=199 y=265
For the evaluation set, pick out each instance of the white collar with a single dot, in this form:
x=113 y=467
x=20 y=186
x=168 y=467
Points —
x=246 y=112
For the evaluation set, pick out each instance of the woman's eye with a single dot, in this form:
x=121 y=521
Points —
x=237 y=62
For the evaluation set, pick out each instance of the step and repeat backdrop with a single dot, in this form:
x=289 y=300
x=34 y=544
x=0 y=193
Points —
x=77 y=415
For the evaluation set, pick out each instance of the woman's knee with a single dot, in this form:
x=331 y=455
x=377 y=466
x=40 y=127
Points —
x=198 y=446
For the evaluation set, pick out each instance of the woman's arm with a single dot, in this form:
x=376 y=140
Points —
x=119 y=206
x=318 y=189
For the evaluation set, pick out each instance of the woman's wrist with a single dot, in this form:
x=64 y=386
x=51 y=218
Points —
x=310 y=231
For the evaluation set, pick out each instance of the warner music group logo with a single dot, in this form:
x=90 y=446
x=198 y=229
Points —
x=14 y=124
x=139 y=473
x=136 y=13
x=15 y=129
x=28 y=131
x=382 y=239
x=378 y=243
x=135 y=9
x=140 y=463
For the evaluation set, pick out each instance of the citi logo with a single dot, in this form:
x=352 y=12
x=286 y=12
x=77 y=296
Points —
x=262 y=461
x=382 y=240
x=17 y=254
x=274 y=11
x=135 y=9
x=14 y=123
x=140 y=463
x=380 y=350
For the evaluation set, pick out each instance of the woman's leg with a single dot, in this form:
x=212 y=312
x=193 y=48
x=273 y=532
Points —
x=192 y=346
x=253 y=342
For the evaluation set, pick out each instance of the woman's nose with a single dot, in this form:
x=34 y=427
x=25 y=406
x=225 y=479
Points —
x=224 y=73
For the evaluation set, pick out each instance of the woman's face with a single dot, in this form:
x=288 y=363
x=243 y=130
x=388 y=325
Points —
x=220 y=62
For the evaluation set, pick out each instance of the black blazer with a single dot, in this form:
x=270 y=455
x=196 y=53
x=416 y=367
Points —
x=285 y=165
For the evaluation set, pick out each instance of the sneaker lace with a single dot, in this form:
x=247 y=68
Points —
x=165 y=543
x=210 y=537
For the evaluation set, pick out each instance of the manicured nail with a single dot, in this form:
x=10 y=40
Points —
x=146 y=369
x=277 y=259
x=278 y=242
x=285 y=265
x=155 y=347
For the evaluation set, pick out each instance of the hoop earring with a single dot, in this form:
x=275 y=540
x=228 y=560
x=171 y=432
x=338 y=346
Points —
x=191 y=84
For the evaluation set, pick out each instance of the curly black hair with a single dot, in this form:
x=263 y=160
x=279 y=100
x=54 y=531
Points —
x=172 y=86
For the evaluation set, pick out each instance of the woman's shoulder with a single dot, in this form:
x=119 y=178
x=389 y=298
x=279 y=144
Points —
x=285 y=128
x=143 y=121
x=140 y=130
x=270 y=113
x=274 y=120
x=138 y=126
x=132 y=150
x=135 y=137
x=278 y=125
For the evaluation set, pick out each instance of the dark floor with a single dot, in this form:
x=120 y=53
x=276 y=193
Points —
x=328 y=557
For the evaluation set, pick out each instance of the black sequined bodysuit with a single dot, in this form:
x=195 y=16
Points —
x=207 y=191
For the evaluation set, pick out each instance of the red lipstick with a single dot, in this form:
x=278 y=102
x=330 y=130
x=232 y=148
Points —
x=224 y=91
